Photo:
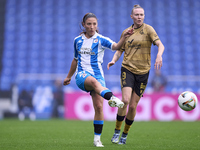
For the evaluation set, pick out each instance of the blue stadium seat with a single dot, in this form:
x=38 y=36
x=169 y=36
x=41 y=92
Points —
x=42 y=32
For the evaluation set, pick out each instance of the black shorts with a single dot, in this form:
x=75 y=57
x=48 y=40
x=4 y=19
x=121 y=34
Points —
x=137 y=82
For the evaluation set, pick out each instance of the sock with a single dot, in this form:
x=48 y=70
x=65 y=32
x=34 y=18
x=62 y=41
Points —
x=107 y=94
x=98 y=126
x=119 y=121
x=124 y=135
x=117 y=131
x=97 y=137
x=127 y=125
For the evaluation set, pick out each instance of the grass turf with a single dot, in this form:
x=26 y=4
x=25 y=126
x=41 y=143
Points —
x=78 y=135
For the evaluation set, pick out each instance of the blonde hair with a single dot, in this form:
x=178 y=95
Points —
x=135 y=7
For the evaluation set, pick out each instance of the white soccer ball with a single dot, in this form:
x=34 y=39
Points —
x=187 y=100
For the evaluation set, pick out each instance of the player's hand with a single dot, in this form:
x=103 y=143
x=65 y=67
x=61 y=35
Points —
x=110 y=64
x=158 y=63
x=66 y=81
x=129 y=32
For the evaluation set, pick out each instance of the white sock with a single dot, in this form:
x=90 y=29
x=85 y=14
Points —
x=97 y=137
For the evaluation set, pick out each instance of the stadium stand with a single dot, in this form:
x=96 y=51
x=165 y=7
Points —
x=39 y=35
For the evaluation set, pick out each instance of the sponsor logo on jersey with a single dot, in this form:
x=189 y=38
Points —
x=85 y=50
x=130 y=41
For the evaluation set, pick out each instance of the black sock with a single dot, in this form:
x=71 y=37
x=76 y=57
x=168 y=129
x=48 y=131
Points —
x=124 y=134
x=98 y=126
x=120 y=118
x=107 y=94
x=129 y=122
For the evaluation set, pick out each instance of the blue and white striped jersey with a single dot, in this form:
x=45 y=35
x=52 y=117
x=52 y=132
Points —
x=90 y=52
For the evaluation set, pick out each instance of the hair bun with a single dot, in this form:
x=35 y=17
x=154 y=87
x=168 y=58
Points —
x=137 y=6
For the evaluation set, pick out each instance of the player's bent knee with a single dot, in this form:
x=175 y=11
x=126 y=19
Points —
x=126 y=101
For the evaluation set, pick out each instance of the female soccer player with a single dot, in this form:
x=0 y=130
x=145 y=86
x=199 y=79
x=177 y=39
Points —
x=89 y=49
x=135 y=69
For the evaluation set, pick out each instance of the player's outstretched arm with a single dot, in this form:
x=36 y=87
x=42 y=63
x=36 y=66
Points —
x=71 y=72
x=116 y=57
x=127 y=33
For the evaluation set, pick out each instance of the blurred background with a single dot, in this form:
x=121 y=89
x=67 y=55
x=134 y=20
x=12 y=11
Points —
x=36 y=49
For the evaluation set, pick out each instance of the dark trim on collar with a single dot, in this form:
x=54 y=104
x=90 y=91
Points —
x=138 y=27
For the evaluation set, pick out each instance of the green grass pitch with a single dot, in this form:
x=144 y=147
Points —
x=78 y=135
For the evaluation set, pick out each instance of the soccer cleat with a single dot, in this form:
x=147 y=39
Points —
x=115 y=102
x=115 y=138
x=98 y=143
x=122 y=140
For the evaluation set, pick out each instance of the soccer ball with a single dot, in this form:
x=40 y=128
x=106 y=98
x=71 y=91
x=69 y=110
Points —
x=187 y=101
